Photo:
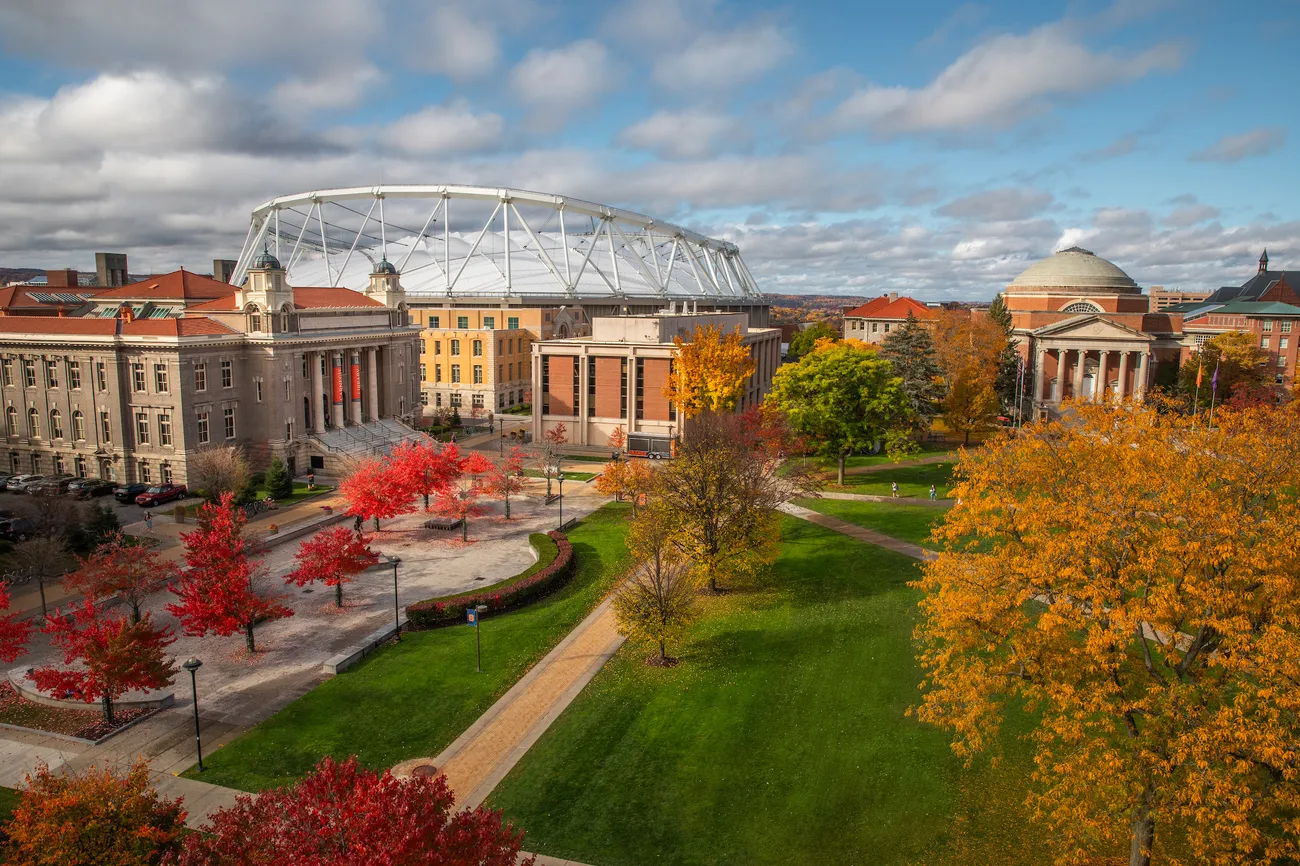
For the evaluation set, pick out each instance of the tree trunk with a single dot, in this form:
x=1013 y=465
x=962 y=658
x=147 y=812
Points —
x=108 y=708
x=338 y=594
x=464 y=529
x=135 y=613
x=966 y=441
x=507 y=506
x=248 y=636
x=426 y=502
x=841 y=467
x=376 y=524
x=1144 y=832
x=663 y=653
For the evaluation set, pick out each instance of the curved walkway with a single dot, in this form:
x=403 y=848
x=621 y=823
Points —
x=897 y=500
x=870 y=536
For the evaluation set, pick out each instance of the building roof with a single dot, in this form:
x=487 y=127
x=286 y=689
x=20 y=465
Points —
x=40 y=298
x=1077 y=271
x=869 y=308
x=899 y=308
x=177 y=286
x=198 y=326
x=304 y=298
x=1247 y=308
x=1256 y=286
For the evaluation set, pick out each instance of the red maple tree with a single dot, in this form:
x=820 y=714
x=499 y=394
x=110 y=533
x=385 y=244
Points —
x=420 y=469
x=459 y=500
x=14 y=632
x=376 y=490
x=333 y=556
x=345 y=815
x=118 y=568
x=506 y=478
x=548 y=451
x=113 y=655
x=216 y=589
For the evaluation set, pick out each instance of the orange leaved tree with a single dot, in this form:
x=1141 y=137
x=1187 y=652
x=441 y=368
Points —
x=506 y=478
x=709 y=372
x=1133 y=579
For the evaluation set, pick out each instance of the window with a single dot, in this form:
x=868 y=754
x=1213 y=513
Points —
x=141 y=428
x=137 y=376
x=101 y=376
x=204 y=437
x=455 y=372
x=105 y=426
x=422 y=347
x=227 y=375
x=8 y=368
x=512 y=322
x=478 y=348
x=478 y=374
x=36 y=464
x=29 y=372
x=165 y=472
x=11 y=418
x=437 y=347
x=455 y=347
x=476 y=400
x=1281 y=360
x=501 y=373
x=51 y=374
x=424 y=398
x=79 y=466
x=1281 y=343
x=160 y=383
x=462 y=322
x=1267 y=325
x=1285 y=327
x=74 y=374
x=490 y=322
x=304 y=366
x=78 y=426
x=288 y=389
x=284 y=321
x=455 y=399
x=257 y=389
x=510 y=370
x=228 y=418
x=437 y=400
x=288 y=430
x=164 y=429
x=59 y=466
x=200 y=377
x=33 y=424
x=255 y=322
x=423 y=377
x=146 y=475
x=401 y=374
x=13 y=462
x=434 y=322
x=56 y=424
x=1263 y=344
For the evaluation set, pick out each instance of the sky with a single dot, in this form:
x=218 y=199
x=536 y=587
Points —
x=930 y=148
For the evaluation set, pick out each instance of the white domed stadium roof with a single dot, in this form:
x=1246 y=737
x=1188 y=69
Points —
x=1077 y=270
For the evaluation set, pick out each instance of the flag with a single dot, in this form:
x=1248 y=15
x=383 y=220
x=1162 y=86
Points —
x=1214 y=380
x=1200 y=368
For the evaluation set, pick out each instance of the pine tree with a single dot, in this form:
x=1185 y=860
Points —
x=279 y=484
x=910 y=349
x=1006 y=385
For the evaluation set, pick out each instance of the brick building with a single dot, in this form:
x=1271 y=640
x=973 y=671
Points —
x=874 y=320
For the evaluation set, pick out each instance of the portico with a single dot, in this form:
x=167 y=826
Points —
x=1090 y=358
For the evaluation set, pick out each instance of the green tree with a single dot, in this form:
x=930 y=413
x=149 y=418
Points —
x=911 y=350
x=1007 y=382
x=1242 y=367
x=279 y=483
x=803 y=342
x=842 y=396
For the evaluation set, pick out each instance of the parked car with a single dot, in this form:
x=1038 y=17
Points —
x=4 y=479
x=90 y=488
x=128 y=492
x=19 y=483
x=160 y=493
x=51 y=486
x=16 y=529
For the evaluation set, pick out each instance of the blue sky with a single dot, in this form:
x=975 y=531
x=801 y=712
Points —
x=930 y=148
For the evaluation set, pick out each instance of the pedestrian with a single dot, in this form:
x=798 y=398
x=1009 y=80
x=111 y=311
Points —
x=311 y=480
x=148 y=521
x=933 y=493
x=894 y=487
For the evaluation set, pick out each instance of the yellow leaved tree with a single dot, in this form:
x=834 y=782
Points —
x=709 y=372
x=1132 y=579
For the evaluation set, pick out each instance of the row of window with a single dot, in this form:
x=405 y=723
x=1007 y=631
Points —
x=79 y=466
x=477 y=373
x=476 y=348
x=205 y=428
x=139 y=377
x=1283 y=326
x=56 y=431
x=144 y=430
x=489 y=322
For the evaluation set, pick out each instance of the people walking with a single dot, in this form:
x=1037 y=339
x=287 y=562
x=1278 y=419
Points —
x=311 y=480
x=894 y=487
x=934 y=494
x=148 y=521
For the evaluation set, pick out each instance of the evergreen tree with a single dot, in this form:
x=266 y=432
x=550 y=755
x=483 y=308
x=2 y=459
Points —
x=279 y=484
x=910 y=350
x=1009 y=361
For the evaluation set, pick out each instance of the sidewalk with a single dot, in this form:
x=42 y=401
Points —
x=861 y=534
x=948 y=457
x=897 y=500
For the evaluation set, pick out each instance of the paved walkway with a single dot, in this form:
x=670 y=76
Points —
x=896 y=500
x=870 y=536
x=948 y=457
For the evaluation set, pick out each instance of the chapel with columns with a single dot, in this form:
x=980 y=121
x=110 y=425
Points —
x=1086 y=331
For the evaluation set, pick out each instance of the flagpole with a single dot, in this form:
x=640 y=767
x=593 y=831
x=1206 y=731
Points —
x=1196 y=404
x=1214 y=391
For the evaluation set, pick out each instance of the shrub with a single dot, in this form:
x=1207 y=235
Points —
x=540 y=579
x=257 y=479
x=279 y=483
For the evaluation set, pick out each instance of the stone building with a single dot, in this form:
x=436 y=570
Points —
x=873 y=321
x=615 y=377
x=156 y=370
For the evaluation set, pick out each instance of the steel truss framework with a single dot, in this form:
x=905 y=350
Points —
x=530 y=244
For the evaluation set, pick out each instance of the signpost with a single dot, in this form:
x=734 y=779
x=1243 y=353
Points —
x=472 y=616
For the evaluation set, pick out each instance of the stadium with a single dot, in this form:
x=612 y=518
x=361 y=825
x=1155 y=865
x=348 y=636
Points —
x=475 y=246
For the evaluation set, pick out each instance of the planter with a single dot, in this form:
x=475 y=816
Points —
x=273 y=529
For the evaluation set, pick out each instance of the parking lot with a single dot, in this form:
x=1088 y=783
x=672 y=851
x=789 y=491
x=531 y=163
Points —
x=22 y=503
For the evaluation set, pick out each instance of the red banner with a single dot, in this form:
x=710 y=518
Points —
x=338 y=383
x=356 y=380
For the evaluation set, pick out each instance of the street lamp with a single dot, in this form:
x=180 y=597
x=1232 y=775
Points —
x=559 y=476
x=479 y=609
x=397 y=619
x=193 y=666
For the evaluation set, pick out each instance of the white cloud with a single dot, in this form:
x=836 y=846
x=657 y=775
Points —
x=1234 y=148
x=557 y=82
x=1191 y=215
x=720 y=61
x=1001 y=204
x=688 y=134
x=998 y=83
x=457 y=44
x=444 y=129
x=340 y=87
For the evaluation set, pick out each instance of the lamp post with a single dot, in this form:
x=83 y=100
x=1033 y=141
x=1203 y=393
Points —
x=397 y=619
x=193 y=666
x=480 y=609
x=559 y=476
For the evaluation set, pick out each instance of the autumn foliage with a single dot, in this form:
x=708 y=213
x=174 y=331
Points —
x=626 y=479
x=333 y=556
x=656 y=601
x=419 y=469
x=377 y=490
x=709 y=372
x=1132 y=578
x=459 y=499
x=14 y=631
x=121 y=569
x=344 y=815
x=506 y=478
x=92 y=816
x=969 y=350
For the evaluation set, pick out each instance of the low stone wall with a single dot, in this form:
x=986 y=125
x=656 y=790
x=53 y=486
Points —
x=149 y=701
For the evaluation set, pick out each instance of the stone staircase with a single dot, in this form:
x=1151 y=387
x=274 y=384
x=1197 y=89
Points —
x=363 y=440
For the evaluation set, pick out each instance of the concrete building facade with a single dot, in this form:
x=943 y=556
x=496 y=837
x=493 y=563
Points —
x=873 y=321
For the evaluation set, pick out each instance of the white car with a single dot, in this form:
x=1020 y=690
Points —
x=20 y=483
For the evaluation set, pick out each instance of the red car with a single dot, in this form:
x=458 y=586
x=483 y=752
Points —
x=155 y=496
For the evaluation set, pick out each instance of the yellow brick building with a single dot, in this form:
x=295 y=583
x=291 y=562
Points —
x=480 y=357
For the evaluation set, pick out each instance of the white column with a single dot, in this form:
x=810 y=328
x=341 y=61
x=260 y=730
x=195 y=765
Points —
x=631 y=394
x=583 y=385
x=1099 y=385
x=1123 y=375
x=1062 y=361
x=372 y=381
x=1140 y=385
x=1078 y=374
x=317 y=392
x=1040 y=374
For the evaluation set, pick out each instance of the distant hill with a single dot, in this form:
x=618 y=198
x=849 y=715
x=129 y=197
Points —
x=794 y=309
x=16 y=275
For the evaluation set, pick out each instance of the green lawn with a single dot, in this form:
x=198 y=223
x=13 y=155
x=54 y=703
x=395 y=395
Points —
x=8 y=800
x=908 y=522
x=927 y=450
x=414 y=698
x=781 y=738
x=568 y=476
x=300 y=492
x=912 y=481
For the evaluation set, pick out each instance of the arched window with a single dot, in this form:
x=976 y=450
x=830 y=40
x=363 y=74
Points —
x=56 y=424
x=11 y=417
x=33 y=424
x=78 y=426
x=284 y=319
x=1081 y=307
x=254 y=317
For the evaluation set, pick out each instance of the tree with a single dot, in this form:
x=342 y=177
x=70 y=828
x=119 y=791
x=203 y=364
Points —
x=279 y=483
x=216 y=590
x=420 y=470
x=806 y=339
x=459 y=500
x=1007 y=384
x=911 y=351
x=710 y=372
x=842 y=397
x=43 y=558
x=656 y=601
x=376 y=489
x=113 y=655
x=218 y=470
x=547 y=452
x=345 y=814
x=333 y=556
x=120 y=568
x=92 y=816
x=969 y=349
x=14 y=631
x=506 y=478
x=617 y=439
x=99 y=526
x=1130 y=576
x=626 y=479
x=719 y=496
x=1241 y=364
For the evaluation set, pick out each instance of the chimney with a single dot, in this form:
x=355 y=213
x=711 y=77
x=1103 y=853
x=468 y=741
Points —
x=893 y=296
x=61 y=279
x=110 y=269
x=126 y=313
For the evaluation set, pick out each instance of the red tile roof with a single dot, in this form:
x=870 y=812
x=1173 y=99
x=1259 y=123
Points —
x=896 y=309
x=20 y=298
x=199 y=326
x=304 y=298
x=869 y=307
x=196 y=326
x=176 y=286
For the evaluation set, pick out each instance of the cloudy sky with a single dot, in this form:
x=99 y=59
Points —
x=933 y=148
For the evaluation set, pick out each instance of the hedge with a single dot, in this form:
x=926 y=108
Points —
x=554 y=566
